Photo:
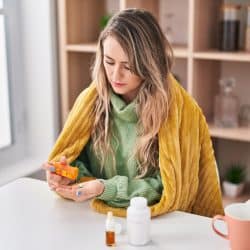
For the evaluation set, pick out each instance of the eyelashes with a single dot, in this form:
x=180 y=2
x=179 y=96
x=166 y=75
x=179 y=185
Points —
x=111 y=63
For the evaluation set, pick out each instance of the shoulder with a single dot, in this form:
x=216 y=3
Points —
x=84 y=103
x=87 y=96
x=88 y=92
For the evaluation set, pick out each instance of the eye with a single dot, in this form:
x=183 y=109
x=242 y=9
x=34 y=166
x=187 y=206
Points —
x=110 y=63
x=127 y=68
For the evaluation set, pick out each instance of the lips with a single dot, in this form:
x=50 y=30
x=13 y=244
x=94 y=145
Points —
x=119 y=84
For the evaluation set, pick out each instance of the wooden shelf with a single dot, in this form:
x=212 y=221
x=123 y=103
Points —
x=242 y=198
x=240 y=134
x=86 y=47
x=240 y=56
x=180 y=51
x=197 y=65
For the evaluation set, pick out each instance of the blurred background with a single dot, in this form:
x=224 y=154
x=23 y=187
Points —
x=46 y=50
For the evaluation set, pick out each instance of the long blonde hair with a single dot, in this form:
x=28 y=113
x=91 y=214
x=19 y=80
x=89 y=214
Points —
x=150 y=57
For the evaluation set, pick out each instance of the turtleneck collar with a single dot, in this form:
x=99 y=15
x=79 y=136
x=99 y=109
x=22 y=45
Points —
x=122 y=110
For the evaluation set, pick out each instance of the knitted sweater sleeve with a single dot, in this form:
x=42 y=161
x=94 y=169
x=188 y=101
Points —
x=119 y=190
x=208 y=201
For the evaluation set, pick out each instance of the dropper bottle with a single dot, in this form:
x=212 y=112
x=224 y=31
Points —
x=110 y=230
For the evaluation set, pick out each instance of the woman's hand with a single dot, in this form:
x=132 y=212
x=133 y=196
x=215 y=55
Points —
x=53 y=179
x=82 y=191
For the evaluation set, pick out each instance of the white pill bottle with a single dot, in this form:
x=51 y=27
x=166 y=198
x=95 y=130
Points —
x=138 y=222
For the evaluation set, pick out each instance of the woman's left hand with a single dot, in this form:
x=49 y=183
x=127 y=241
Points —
x=81 y=191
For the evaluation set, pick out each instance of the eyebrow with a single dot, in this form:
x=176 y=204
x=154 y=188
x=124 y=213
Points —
x=114 y=59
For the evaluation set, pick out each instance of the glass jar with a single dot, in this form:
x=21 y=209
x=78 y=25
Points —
x=229 y=27
x=245 y=115
x=169 y=31
x=247 y=43
x=226 y=108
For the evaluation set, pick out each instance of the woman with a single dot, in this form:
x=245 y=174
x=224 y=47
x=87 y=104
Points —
x=135 y=130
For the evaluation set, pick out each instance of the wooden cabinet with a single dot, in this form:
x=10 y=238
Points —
x=197 y=61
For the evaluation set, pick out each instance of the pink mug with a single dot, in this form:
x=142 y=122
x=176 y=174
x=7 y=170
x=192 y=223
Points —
x=237 y=218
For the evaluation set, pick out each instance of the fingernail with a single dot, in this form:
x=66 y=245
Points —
x=52 y=168
x=78 y=193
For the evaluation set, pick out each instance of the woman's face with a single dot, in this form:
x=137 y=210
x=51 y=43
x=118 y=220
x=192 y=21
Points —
x=118 y=72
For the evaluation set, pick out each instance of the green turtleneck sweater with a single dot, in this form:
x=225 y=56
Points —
x=120 y=182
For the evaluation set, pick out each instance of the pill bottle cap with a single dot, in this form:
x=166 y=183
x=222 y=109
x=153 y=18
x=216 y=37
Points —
x=138 y=202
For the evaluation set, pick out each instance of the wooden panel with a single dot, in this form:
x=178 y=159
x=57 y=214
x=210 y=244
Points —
x=180 y=71
x=150 y=5
x=239 y=134
x=63 y=61
x=85 y=47
x=191 y=21
x=201 y=66
x=206 y=14
x=205 y=84
x=242 y=198
x=180 y=51
x=79 y=74
x=240 y=56
x=83 y=20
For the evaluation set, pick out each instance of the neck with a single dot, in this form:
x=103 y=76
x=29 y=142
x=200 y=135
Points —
x=129 y=97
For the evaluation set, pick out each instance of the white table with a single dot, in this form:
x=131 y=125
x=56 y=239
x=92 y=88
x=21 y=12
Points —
x=32 y=218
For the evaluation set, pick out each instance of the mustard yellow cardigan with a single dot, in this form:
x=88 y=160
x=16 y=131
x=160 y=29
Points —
x=186 y=158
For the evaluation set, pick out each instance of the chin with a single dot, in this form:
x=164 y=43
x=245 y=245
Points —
x=119 y=91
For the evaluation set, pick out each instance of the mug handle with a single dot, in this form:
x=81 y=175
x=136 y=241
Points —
x=219 y=217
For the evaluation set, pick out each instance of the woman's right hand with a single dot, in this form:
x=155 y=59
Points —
x=53 y=179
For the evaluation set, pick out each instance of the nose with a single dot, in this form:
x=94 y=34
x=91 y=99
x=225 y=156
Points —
x=117 y=74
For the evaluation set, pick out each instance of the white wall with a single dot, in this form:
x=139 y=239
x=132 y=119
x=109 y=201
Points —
x=37 y=125
x=39 y=51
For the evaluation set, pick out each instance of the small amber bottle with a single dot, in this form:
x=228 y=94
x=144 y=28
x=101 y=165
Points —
x=110 y=230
